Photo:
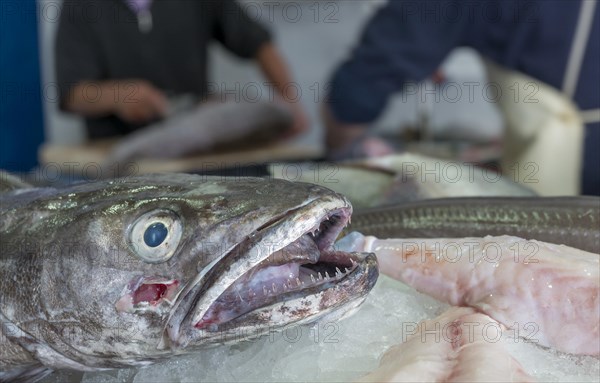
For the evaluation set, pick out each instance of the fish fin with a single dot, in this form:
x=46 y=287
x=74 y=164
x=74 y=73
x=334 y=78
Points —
x=9 y=182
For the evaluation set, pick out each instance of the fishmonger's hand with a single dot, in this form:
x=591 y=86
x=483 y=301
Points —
x=134 y=101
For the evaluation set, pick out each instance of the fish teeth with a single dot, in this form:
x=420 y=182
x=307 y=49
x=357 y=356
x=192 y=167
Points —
x=338 y=272
x=312 y=279
x=346 y=270
x=320 y=276
x=299 y=282
x=285 y=288
x=327 y=275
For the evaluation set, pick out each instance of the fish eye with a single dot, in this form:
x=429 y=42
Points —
x=154 y=236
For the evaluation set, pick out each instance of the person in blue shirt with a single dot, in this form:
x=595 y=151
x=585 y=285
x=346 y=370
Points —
x=555 y=42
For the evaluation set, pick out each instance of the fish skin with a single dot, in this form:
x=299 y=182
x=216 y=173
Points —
x=571 y=221
x=450 y=348
x=206 y=127
x=66 y=260
x=419 y=177
x=549 y=293
x=402 y=178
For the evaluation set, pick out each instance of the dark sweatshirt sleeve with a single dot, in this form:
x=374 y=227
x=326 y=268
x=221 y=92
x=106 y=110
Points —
x=404 y=41
x=237 y=31
x=76 y=52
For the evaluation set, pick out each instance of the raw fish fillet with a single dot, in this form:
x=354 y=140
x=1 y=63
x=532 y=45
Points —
x=454 y=347
x=548 y=293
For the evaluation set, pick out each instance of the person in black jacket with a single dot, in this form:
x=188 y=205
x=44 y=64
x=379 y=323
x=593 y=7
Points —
x=119 y=61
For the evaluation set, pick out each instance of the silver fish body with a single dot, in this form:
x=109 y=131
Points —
x=126 y=272
x=207 y=127
x=572 y=221
x=402 y=178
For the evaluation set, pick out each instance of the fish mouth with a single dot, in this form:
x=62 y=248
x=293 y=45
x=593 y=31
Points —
x=285 y=272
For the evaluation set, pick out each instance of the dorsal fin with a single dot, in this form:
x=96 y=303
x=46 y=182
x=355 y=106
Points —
x=8 y=182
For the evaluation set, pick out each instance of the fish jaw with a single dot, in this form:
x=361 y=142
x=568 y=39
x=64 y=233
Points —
x=307 y=282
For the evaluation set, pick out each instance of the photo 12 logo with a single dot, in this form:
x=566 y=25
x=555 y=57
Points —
x=469 y=332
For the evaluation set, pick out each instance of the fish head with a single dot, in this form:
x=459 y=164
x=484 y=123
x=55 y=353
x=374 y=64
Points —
x=164 y=264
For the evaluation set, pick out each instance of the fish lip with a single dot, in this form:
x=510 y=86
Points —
x=203 y=292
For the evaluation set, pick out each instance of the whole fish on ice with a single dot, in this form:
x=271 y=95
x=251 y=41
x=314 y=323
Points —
x=402 y=178
x=128 y=272
x=571 y=221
